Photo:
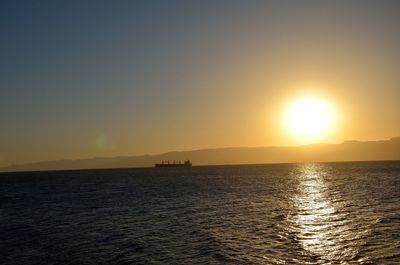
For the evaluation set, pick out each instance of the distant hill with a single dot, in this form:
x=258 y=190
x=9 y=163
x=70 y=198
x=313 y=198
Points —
x=346 y=151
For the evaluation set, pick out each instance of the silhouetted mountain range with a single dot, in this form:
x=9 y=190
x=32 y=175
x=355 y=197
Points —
x=346 y=151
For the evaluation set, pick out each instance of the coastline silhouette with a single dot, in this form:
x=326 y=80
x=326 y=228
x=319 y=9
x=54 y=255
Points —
x=346 y=151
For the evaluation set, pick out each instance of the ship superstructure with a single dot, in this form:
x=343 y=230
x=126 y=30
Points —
x=166 y=163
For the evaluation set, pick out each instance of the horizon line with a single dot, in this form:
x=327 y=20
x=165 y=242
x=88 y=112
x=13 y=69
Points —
x=192 y=150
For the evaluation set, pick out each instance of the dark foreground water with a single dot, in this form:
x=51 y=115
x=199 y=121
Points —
x=334 y=213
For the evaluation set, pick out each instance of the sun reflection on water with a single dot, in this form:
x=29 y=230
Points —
x=314 y=209
x=319 y=225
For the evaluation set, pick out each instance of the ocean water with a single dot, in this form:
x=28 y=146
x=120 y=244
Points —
x=325 y=213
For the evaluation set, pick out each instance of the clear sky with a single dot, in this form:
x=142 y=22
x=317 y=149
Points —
x=107 y=78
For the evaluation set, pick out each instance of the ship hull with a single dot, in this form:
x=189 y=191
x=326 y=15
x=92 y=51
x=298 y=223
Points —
x=173 y=165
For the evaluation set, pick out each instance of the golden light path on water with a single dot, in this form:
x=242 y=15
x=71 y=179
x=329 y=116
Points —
x=324 y=231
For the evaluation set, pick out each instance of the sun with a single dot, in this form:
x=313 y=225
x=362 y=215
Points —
x=309 y=119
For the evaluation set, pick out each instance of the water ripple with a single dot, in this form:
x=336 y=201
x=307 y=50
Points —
x=337 y=213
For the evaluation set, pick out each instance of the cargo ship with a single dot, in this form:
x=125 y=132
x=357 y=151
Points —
x=186 y=163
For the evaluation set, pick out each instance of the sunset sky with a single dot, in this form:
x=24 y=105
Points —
x=84 y=79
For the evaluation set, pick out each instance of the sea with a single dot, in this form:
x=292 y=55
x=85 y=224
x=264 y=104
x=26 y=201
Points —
x=317 y=213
